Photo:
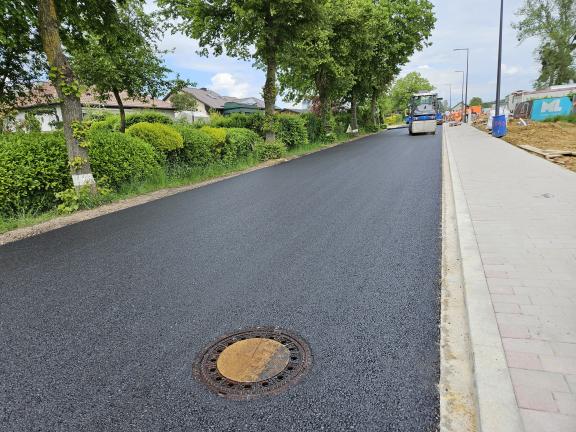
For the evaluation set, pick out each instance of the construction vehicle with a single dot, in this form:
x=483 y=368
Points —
x=423 y=115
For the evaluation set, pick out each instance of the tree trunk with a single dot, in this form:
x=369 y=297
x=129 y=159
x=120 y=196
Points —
x=374 y=109
x=121 y=108
x=354 y=113
x=270 y=85
x=67 y=89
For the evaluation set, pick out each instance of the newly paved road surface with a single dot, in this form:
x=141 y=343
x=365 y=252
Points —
x=100 y=321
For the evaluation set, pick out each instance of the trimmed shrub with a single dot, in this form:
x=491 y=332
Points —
x=148 y=116
x=198 y=146
x=291 y=130
x=265 y=151
x=33 y=168
x=119 y=158
x=254 y=122
x=110 y=123
x=239 y=143
x=218 y=136
x=161 y=136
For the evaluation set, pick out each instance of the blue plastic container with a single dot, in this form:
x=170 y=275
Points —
x=499 y=126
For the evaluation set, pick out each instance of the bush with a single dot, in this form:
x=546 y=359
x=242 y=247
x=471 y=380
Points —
x=147 y=117
x=119 y=158
x=239 y=143
x=394 y=119
x=198 y=146
x=313 y=127
x=254 y=122
x=161 y=136
x=109 y=123
x=266 y=151
x=291 y=130
x=33 y=168
x=218 y=136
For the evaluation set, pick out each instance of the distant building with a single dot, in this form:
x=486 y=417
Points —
x=43 y=102
x=519 y=96
x=209 y=101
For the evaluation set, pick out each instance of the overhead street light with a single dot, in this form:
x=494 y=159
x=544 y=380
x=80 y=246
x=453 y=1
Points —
x=463 y=107
x=467 y=61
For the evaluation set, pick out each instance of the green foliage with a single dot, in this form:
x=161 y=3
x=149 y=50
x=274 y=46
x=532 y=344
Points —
x=119 y=158
x=405 y=87
x=314 y=127
x=239 y=143
x=475 y=101
x=147 y=116
x=254 y=122
x=570 y=118
x=33 y=168
x=183 y=101
x=162 y=137
x=29 y=124
x=73 y=199
x=198 y=146
x=554 y=23
x=291 y=130
x=109 y=123
x=218 y=136
x=394 y=119
x=269 y=150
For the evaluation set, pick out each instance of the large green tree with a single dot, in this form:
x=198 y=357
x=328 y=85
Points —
x=404 y=88
x=125 y=58
x=554 y=23
x=253 y=29
x=475 y=101
x=21 y=59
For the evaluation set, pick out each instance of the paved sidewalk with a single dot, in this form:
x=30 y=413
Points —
x=523 y=215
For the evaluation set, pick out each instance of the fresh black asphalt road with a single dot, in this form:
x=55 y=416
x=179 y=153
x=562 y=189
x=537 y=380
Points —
x=101 y=321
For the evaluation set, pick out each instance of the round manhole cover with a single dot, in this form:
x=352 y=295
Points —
x=252 y=363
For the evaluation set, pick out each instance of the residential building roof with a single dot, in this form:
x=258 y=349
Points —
x=45 y=94
x=213 y=100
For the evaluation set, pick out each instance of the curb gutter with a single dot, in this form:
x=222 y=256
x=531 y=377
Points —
x=496 y=403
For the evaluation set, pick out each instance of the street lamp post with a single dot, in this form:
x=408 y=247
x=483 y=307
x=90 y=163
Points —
x=499 y=75
x=467 y=61
x=450 y=97
x=463 y=105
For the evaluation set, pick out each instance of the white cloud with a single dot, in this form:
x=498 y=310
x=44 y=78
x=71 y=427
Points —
x=226 y=84
x=424 y=67
x=509 y=70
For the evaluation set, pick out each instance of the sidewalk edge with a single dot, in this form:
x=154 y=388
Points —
x=497 y=407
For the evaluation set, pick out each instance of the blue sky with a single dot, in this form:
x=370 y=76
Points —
x=460 y=24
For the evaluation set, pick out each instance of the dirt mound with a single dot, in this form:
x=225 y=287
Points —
x=546 y=136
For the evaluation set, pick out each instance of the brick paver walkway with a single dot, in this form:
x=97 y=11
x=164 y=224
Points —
x=523 y=210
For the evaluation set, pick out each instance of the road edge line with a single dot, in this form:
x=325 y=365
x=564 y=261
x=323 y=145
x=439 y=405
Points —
x=497 y=406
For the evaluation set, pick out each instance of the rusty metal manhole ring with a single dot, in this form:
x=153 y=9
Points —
x=253 y=363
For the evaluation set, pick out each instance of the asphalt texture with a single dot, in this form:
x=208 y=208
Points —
x=101 y=321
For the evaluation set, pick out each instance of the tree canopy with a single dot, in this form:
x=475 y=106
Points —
x=475 y=101
x=125 y=58
x=256 y=29
x=404 y=88
x=554 y=23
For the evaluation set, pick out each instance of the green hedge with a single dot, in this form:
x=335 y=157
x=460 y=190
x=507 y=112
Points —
x=218 y=136
x=291 y=130
x=33 y=168
x=265 y=151
x=198 y=146
x=120 y=158
x=239 y=143
x=161 y=136
x=147 y=117
x=254 y=122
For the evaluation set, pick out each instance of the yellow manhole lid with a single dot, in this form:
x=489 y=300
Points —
x=253 y=362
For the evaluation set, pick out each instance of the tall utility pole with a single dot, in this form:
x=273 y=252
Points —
x=499 y=75
x=450 y=97
x=463 y=104
x=467 y=61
